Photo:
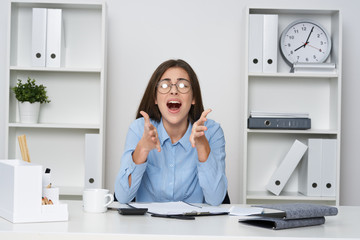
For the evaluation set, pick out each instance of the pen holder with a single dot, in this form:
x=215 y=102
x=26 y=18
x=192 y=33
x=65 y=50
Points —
x=21 y=192
x=52 y=194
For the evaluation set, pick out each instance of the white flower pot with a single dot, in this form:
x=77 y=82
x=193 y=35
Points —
x=29 y=112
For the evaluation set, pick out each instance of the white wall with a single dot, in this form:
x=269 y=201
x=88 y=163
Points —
x=209 y=35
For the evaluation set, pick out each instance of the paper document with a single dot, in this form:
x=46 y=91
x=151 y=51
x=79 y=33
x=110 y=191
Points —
x=167 y=208
x=245 y=211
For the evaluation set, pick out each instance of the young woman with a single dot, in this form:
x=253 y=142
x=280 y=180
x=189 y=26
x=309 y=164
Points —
x=172 y=151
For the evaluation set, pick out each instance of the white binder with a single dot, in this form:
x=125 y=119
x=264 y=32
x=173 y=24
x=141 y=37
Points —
x=256 y=22
x=286 y=167
x=53 y=46
x=328 y=178
x=38 y=47
x=270 y=43
x=93 y=166
x=309 y=182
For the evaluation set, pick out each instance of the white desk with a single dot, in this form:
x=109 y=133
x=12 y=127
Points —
x=111 y=225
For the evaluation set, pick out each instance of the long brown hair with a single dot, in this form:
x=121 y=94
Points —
x=147 y=103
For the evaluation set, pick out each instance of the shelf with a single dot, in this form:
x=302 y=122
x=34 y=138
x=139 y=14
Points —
x=54 y=125
x=315 y=93
x=285 y=196
x=76 y=89
x=310 y=131
x=59 y=4
x=295 y=75
x=48 y=69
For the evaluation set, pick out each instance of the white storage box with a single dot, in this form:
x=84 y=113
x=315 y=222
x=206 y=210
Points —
x=21 y=192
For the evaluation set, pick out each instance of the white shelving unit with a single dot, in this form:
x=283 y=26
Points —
x=76 y=89
x=319 y=94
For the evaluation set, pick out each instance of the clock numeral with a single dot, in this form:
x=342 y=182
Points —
x=303 y=28
x=291 y=37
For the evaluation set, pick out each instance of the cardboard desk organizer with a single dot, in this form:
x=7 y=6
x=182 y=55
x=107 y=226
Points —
x=21 y=194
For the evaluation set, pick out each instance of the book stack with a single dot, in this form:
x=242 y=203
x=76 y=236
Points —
x=278 y=120
x=313 y=68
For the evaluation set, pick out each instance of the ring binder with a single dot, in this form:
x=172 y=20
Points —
x=279 y=123
x=287 y=166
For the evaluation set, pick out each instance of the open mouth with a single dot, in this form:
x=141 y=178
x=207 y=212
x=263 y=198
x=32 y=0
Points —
x=173 y=105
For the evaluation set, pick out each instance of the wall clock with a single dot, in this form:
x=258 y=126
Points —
x=305 y=41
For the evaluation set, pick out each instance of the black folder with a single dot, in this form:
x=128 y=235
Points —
x=291 y=215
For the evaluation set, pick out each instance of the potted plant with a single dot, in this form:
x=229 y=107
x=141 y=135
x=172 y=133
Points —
x=30 y=96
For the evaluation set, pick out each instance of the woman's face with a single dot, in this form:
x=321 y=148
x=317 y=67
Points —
x=174 y=105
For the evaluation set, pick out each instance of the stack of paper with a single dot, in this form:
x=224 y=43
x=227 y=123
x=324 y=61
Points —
x=313 y=67
x=167 y=208
x=261 y=114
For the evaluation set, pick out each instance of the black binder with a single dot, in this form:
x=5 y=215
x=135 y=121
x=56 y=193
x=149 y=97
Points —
x=279 y=123
x=291 y=215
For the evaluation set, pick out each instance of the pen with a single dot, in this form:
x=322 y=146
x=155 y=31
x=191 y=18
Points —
x=196 y=213
x=181 y=217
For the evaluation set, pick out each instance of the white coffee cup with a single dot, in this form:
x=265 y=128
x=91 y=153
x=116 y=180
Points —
x=96 y=200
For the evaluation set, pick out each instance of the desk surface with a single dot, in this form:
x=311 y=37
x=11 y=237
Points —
x=112 y=225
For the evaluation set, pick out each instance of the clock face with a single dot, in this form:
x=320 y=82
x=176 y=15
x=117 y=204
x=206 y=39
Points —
x=305 y=41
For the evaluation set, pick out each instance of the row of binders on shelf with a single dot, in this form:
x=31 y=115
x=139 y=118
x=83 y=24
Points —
x=47 y=37
x=278 y=120
x=263 y=43
x=317 y=168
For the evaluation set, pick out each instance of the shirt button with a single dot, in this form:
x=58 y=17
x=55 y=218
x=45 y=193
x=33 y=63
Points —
x=171 y=165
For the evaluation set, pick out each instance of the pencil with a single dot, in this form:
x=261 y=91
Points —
x=24 y=148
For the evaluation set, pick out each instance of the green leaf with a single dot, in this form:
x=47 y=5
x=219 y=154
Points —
x=30 y=92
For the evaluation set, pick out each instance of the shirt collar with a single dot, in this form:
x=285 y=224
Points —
x=184 y=141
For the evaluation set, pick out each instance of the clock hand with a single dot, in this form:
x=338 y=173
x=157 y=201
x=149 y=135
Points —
x=315 y=47
x=299 y=47
x=307 y=40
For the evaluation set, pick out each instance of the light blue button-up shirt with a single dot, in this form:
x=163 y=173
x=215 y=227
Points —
x=175 y=173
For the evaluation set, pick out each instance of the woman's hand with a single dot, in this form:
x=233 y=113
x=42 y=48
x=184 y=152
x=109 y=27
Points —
x=148 y=141
x=198 y=139
x=150 y=138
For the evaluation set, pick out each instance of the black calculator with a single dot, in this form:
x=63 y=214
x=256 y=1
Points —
x=132 y=211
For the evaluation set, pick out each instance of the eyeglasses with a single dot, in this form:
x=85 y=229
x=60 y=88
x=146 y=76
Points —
x=182 y=86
